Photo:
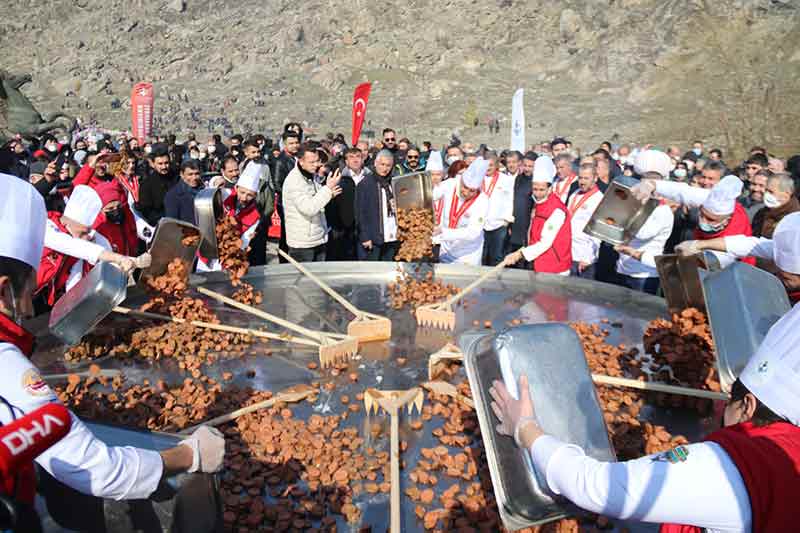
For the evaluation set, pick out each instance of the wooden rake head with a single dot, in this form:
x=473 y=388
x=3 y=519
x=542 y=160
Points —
x=334 y=348
x=440 y=315
x=448 y=352
x=367 y=327
x=392 y=401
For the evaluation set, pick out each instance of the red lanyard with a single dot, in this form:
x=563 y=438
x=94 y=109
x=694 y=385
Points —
x=455 y=211
x=132 y=186
x=574 y=206
x=564 y=186
x=489 y=190
x=438 y=205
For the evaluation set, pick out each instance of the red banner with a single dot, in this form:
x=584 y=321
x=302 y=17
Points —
x=142 y=111
x=360 y=98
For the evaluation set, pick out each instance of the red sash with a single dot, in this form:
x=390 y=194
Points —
x=54 y=267
x=574 y=206
x=131 y=185
x=490 y=189
x=562 y=187
x=455 y=211
x=438 y=207
x=246 y=217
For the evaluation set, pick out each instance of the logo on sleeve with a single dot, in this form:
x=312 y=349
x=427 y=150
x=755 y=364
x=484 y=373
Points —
x=678 y=454
x=33 y=383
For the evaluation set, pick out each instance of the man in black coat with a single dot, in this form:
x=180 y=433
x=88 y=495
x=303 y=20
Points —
x=158 y=179
x=179 y=200
x=280 y=168
x=341 y=211
x=523 y=205
x=376 y=217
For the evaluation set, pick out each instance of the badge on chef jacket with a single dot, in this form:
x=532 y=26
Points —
x=678 y=454
x=33 y=383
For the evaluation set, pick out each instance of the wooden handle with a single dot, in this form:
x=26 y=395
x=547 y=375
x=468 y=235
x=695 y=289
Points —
x=395 y=470
x=109 y=373
x=483 y=277
x=316 y=335
x=218 y=327
x=658 y=387
x=322 y=285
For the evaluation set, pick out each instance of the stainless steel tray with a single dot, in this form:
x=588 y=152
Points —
x=88 y=302
x=413 y=191
x=680 y=278
x=168 y=244
x=552 y=357
x=742 y=302
x=207 y=207
x=619 y=216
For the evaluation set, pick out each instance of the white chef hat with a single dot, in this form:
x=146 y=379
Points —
x=473 y=176
x=652 y=161
x=722 y=198
x=786 y=244
x=251 y=177
x=83 y=206
x=543 y=169
x=772 y=374
x=22 y=217
x=434 y=162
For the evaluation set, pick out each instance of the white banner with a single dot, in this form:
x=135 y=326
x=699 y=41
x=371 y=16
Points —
x=518 y=122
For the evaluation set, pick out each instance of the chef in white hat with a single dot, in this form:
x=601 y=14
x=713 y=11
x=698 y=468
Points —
x=783 y=249
x=721 y=214
x=550 y=235
x=435 y=166
x=79 y=460
x=72 y=247
x=464 y=209
x=741 y=478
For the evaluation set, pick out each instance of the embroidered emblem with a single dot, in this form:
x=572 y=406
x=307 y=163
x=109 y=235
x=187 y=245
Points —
x=33 y=383
x=676 y=455
x=763 y=367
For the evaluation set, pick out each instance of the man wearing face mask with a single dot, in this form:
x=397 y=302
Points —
x=452 y=154
x=550 y=236
x=779 y=201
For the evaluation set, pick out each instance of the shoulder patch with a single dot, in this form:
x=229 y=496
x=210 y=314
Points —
x=678 y=454
x=33 y=383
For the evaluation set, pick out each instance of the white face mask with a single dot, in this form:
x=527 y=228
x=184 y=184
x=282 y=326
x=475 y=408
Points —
x=697 y=151
x=452 y=159
x=211 y=148
x=680 y=172
x=147 y=149
x=770 y=200
x=51 y=147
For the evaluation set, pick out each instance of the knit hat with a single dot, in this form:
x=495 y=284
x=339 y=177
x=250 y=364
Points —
x=722 y=199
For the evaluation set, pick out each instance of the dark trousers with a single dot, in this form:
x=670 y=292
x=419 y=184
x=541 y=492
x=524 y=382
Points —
x=257 y=255
x=494 y=243
x=341 y=245
x=282 y=242
x=606 y=265
x=513 y=247
x=308 y=255
x=648 y=285
x=382 y=252
x=587 y=273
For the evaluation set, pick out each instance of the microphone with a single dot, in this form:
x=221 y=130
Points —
x=25 y=438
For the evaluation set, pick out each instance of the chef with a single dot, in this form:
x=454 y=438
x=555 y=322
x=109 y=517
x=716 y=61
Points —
x=79 y=460
x=550 y=235
x=741 y=478
x=460 y=232
x=499 y=190
x=783 y=250
x=721 y=215
x=72 y=247
x=241 y=205
x=581 y=205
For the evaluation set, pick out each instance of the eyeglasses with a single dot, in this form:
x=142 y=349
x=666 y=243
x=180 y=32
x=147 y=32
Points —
x=388 y=139
x=415 y=157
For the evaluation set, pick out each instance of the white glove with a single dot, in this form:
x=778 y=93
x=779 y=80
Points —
x=143 y=261
x=644 y=190
x=208 y=449
x=687 y=248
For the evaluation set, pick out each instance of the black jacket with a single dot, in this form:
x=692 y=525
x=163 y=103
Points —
x=341 y=211
x=281 y=166
x=368 y=215
x=523 y=205
x=152 y=191
x=179 y=202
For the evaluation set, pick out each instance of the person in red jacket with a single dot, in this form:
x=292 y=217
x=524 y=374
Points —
x=550 y=235
x=115 y=221
x=744 y=477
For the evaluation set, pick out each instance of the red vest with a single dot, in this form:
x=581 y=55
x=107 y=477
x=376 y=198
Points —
x=122 y=236
x=768 y=459
x=738 y=225
x=559 y=257
x=54 y=267
x=22 y=486
x=245 y=217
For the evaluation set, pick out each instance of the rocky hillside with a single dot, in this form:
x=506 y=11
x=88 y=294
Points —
x=660 y=70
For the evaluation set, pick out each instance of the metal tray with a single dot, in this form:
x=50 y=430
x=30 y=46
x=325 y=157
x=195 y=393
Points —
x=413 y=191
x=207 y=207
x=552 y=357
x=680 y=278
x=619 y=216
x=168 y=244
x=88 y=302
x=743 y=302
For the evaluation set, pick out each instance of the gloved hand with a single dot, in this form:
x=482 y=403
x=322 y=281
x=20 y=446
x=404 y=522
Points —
x=208 y=448
x=143 y=261
x=687 y=248
x=127 y=264
x=644 y=190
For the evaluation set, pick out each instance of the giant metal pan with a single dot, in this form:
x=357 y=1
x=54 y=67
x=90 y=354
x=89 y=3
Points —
x=619 y=216
x=207 y=207
x=88 y=302
x=413 y=191
x=168 y=245
x=561 y=386
x=680 y=278
x=742 y=302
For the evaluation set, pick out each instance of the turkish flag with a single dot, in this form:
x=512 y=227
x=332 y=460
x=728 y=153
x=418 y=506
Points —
x=360 y=98
x=142 y=111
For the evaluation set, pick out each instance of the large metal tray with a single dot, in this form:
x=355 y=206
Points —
x=619 y=216
x=168 y=244
x=561 y=386
x=680 y=278
x=413 y=191
x=742 y=302
x=88 y=302
x=207 y=208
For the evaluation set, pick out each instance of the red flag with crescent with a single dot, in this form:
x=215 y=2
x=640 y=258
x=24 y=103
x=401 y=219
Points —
x=142 y=111
x=360 y=98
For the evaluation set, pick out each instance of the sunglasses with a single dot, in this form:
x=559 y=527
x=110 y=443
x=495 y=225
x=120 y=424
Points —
x=388 y=139
x=412 y=157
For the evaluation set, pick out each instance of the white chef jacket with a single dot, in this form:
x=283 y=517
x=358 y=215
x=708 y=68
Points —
x=549 y=233
x=464 y=243
x=389 y=220
x=650 y=238
x=501 y=201
x=79 y=460
x=585 y=248
x=743 y=246
x=66 y=244
x=561 y=187
x=690 y=196
x=706 y=490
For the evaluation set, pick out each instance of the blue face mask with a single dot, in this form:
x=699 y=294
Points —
x=680 y=172
x=697 y=151
x=705 y=227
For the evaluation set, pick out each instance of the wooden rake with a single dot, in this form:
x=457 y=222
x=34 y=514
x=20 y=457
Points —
x=392 y=401
x=366 y=327
x=333 y=347
x=448 y=352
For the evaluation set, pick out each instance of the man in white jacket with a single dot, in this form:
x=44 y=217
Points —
x=499 y=190
x=304 y=204
x=581 y=205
